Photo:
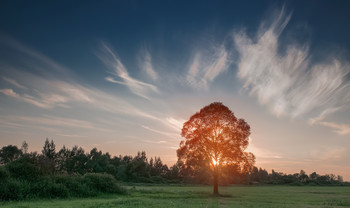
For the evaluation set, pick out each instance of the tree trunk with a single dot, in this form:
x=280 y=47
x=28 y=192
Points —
x=216 y=182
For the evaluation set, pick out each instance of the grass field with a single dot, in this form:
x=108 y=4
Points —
x=200 y=196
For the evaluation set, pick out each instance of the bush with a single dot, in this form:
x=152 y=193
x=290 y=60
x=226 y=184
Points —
x=46 y=188
x=12 y=189
x=75 y=185
x=102 y=183
x=57 y=186
x=23 y=169
x=4 y=175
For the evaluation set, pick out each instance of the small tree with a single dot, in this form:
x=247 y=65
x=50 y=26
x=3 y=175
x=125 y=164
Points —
x=9 y=153
x=215 y=138
x=302 y=176
x=49 y=149
x=48 y=158
x=24 y=147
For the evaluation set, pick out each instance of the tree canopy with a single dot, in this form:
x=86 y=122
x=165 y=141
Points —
x=9 y=153
x=214 y=138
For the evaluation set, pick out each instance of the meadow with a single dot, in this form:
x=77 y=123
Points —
x=201 y=196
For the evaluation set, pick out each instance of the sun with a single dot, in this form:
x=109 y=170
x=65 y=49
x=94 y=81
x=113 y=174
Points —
x=214 y=162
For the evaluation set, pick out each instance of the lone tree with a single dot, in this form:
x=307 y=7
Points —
x=215 y=138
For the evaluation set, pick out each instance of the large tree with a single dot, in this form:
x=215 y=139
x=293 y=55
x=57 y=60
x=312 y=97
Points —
x=215 y=138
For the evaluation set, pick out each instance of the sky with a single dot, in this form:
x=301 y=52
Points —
x=123 y=76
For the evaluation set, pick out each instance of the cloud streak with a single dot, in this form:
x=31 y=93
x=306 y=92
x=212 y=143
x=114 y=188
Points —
x=14 y=83
x=205 y=68
x=51 y=124
x=55 y=89
x=32 y=100
x=289 y=83
x=63 y=94
x=171 y=135
x=341 y=129
x=176 y=124
x=49 y=93
x=145 y=63
x=111 y=60
x=329 y=153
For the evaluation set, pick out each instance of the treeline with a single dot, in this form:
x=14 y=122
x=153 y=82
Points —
x=262 y=176
x=74 y=172
x=76 y=161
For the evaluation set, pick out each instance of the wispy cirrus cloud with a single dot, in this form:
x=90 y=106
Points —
x=53 y=90
x=14 y=83
x=69 y=135
x=42 y=103
x=205 y=67
x=341 y=129
x=53 y=123
x=176 y=124
x=323 y=115
x=43 y=85
x=55 y=93
x=111 y=60
x=155 y=142
x=56 y=121
x=25 y=58
x=329 y=153
x=145 y=63
x=48 y=93
x=172 y=135
x=57 y=87
x=289 y=83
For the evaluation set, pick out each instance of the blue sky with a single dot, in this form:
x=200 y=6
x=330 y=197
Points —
x=123 y=76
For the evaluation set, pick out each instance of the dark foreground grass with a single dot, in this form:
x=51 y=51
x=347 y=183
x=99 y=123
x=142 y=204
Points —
x=200 y=196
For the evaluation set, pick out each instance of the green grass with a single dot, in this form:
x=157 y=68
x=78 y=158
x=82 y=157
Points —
x=201 y=196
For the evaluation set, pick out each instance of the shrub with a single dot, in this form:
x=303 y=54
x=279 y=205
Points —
x=46 y=188
x=75 y=185
x=13 y=189
x=10 y=190
x=4 y=175
x=102 y=183
x=23 y=169
x=57 y=186
x=58 y=191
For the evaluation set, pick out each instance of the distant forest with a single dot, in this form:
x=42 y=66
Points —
x=74 y=172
